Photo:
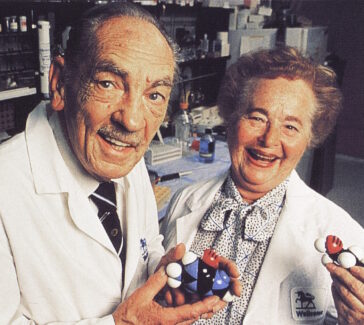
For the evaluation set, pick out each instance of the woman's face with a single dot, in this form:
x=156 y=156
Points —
x=272 y=136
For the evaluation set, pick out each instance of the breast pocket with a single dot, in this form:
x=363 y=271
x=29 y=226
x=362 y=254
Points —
x=304 y=296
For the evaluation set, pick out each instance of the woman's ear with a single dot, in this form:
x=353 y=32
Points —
x=56 y=85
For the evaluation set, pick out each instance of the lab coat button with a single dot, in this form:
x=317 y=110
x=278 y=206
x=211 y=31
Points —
x=114 y=232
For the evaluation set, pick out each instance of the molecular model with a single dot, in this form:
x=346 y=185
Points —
x=201 y=276
x=334 y=251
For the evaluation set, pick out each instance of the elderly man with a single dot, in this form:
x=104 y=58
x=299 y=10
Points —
x=75 y=194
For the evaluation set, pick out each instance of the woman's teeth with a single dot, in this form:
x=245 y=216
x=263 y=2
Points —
x=262 y=157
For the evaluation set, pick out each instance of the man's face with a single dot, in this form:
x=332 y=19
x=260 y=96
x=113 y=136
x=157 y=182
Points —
x=272 y=136
x=118 y=111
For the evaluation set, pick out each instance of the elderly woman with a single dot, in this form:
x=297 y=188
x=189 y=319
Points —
x=275 y=104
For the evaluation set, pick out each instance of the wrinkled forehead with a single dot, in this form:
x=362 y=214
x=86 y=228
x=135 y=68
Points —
x=134 y=34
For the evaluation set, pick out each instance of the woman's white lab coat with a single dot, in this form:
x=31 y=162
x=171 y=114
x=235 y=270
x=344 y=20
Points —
x=291 y=265
x=57 y=263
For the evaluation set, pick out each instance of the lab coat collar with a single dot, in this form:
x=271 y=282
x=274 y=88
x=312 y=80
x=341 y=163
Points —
x=51 y=174
x=49 y=170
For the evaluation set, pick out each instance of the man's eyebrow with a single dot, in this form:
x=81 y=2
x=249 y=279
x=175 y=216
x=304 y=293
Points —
x=167 y=82
x=106 y=66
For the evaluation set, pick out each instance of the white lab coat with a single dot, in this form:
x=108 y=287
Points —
x=57 y=263
x=291 y=264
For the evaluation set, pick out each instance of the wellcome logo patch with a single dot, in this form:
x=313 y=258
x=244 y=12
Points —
x=144 y=248
x=308 y=304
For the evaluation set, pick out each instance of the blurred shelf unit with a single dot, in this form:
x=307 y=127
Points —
x=18 y=64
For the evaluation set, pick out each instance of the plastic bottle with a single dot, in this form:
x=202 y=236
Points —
x=207 y=147
x=205 y=44
x=183 y=126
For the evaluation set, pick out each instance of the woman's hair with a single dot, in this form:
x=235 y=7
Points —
x=82 y=45
x=238 y=86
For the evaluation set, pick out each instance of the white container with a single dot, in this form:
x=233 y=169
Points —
x=44 y=56
x=23 y=23
x=223 y=37
x=311 y=41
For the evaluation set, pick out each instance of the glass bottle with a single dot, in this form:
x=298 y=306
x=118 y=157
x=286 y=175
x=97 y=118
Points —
x=183 y=126
x=207 y=147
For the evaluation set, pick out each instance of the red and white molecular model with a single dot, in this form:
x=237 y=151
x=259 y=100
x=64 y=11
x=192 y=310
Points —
x=334 y=252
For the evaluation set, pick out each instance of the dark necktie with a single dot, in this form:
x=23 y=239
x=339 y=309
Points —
x=105 y=200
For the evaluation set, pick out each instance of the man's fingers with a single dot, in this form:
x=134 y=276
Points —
x=154 y=284
x=229 y=266
x=236 y=287
x=168 y=297
x=173 y=255
x=179 y=297
x=191 y=312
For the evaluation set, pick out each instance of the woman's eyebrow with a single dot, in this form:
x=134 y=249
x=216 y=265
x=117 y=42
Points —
x=258 y=110
x=291 y=118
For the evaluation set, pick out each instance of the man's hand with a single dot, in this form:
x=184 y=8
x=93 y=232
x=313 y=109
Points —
x=140 y=307
x=176 y=297
x=348 y=293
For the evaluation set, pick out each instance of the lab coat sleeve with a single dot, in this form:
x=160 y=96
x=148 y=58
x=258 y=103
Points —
x=168 y=224
x=10 y=307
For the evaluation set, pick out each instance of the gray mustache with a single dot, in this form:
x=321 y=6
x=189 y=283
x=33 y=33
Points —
x=132 y=138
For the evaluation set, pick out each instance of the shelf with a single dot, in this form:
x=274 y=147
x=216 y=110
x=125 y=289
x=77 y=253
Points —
x=17 y=53
x=17 y=92
x=207 y=75
x=19 y=71
x=206 y=60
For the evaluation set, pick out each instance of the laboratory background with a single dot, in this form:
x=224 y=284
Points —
x=190 y=145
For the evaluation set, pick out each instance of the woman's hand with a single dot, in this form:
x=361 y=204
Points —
x=348 y=293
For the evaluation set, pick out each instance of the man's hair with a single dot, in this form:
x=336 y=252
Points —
x=241 y=78
x=82 y=43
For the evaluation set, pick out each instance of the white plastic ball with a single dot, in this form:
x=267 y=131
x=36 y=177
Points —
x=357 y=251
x=320 y=245
x=228 y=297
x=189 y=258
x=346 y=260
x=325 y=259
x=174 y=270
x=173 y=283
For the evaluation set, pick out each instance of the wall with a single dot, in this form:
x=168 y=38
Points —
x=345 y=19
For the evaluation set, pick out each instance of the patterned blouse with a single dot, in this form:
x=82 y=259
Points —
x=240 y=232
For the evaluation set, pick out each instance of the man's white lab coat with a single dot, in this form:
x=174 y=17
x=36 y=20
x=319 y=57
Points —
x=291 y=265
x=57 y=263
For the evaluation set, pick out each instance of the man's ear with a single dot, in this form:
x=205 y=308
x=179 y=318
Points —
x=56 y=85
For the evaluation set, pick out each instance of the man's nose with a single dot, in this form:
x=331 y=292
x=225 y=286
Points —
x=130 y=113
x=271 y=135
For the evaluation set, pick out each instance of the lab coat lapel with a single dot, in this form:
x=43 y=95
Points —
x=86 y=219
x=134 y=206
x=196 y=205
x=51 y=175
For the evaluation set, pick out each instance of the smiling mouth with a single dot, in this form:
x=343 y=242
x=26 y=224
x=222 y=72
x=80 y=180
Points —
x=113 y=141
x=259 y=156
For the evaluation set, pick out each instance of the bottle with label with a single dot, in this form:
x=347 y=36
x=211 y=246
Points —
x=183 y=126
x=207 y=147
